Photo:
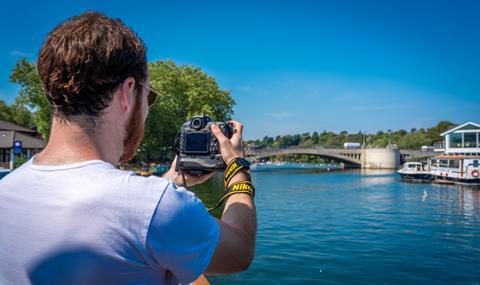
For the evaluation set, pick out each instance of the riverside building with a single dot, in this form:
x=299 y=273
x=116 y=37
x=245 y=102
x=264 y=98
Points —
x=17 y=141
x=460 y=161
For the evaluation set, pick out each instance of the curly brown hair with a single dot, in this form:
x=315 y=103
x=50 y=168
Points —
x=84 y=60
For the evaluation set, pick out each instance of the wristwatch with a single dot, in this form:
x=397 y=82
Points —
x=242 y=161
x=234 y=166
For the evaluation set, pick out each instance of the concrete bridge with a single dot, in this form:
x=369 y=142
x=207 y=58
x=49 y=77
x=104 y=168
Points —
x=365 y=158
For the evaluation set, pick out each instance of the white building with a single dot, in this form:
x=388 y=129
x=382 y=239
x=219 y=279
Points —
x=463 y=140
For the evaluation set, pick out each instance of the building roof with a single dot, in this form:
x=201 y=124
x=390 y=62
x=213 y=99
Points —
x=7 y=126
x=8 y=137
x=466 y=126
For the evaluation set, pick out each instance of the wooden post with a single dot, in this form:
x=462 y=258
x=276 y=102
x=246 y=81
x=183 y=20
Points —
x=12 y=159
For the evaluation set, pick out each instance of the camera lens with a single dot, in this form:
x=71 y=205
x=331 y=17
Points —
x=196 y=123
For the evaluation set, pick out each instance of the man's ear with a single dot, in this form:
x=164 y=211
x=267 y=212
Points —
x=126 y=95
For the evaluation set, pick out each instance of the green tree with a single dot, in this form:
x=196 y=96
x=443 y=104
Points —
x=267 y=141
x=31 y=96
x=305 y=139
x=413 y=140
x=296 y=139
x=16 y=114
x=315 y=138
x=434 y=133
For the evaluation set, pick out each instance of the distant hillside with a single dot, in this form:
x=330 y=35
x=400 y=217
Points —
x=402 y=138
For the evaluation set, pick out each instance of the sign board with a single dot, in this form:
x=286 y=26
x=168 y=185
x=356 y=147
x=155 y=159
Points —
x=17 y=147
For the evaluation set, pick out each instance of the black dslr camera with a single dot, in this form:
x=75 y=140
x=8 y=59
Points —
x=197 y=149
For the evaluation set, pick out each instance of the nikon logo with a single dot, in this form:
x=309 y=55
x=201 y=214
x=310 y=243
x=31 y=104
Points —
x=240 y=187
x=231 y=169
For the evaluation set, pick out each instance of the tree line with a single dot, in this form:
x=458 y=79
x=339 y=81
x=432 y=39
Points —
x=415 y=138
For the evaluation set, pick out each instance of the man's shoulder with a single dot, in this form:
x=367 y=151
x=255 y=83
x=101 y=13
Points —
x=130 y=179
x=130 y=183
x=168 y=195
x=170 y=191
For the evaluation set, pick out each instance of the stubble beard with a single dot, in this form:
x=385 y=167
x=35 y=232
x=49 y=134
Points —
x=133 y=133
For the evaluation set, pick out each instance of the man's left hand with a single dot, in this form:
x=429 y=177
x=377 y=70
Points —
x=190 y=180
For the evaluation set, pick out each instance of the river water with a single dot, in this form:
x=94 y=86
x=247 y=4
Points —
x=360 y=227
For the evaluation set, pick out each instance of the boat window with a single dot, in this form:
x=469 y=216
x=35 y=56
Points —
x=454 y=163
x=470 y=139
x=443 y=163
x=475 y=163
x=455 y=140
x=434 y=162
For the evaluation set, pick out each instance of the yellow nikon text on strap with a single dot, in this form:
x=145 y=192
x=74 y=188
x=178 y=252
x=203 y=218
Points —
x=244 y=187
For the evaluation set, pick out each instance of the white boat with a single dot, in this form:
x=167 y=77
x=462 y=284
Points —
x=415 y=172
x=456 y=169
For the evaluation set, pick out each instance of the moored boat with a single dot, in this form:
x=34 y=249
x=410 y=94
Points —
x=414 y=172
x=457 y=169
x=460 y=162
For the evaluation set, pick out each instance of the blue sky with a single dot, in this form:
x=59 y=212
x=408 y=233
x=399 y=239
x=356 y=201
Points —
x=297 y=66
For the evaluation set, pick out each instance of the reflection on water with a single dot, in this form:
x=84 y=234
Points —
x=360 y=227
x=469 y=200
x=377 y=176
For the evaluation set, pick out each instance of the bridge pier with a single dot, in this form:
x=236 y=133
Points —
x=381 y=158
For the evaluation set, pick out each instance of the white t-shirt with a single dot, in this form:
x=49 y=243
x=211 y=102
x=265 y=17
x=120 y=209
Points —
x=90 y=223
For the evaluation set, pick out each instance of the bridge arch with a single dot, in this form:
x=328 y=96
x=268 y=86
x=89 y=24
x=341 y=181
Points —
x=351 y=158
x=377 y=158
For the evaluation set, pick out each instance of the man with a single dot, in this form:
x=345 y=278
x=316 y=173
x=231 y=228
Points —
x=69 y=216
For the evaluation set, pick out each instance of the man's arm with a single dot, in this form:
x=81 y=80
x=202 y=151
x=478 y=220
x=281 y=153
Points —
x=238 y=225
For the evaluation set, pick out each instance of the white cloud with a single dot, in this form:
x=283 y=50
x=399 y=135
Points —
x=17 y=53
x=245 y=88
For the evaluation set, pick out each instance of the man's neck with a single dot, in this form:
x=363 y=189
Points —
x=72 y=142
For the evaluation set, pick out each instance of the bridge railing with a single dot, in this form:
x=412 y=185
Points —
x=418 y=150
x=297 y=147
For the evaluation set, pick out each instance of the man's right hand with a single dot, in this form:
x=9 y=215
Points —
x=230 y=148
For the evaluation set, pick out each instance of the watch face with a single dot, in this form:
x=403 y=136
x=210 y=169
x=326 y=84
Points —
x=243 y=162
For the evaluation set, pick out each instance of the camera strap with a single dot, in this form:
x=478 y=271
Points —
x=245 y=187
x=233 y=167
